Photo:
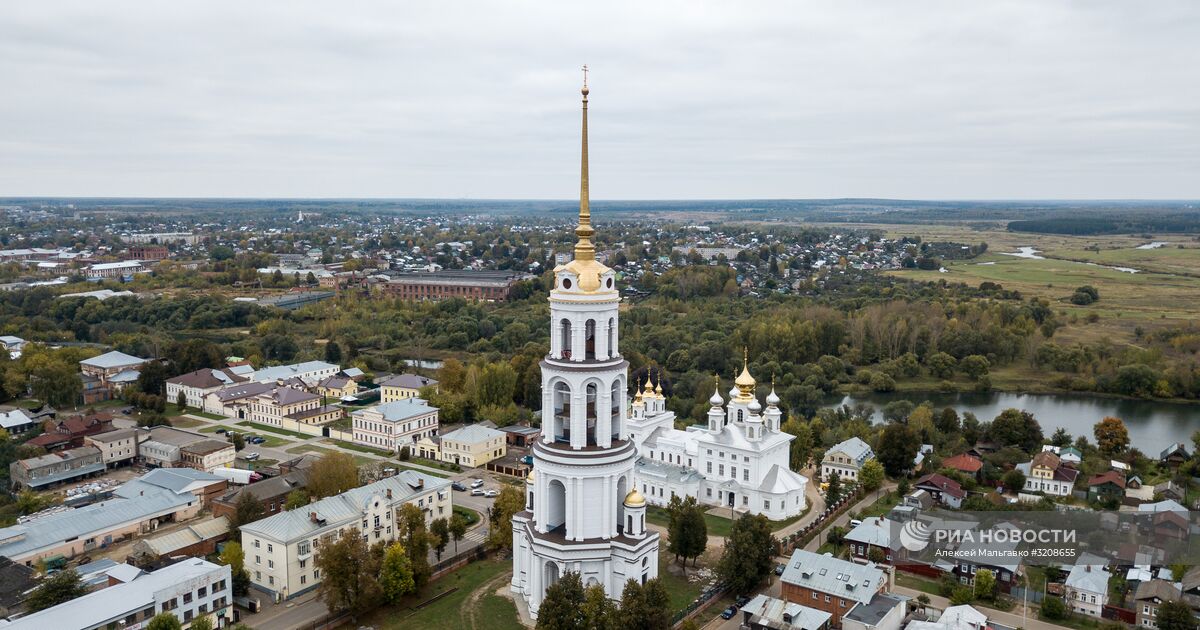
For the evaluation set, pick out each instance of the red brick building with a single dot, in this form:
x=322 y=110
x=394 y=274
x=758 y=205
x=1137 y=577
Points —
x=147 y=252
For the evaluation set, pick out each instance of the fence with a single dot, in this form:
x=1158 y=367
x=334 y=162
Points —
x=805 y=534
x=701 y=602
x=1022 y=594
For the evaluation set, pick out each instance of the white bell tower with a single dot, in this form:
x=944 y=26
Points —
x=577 y=503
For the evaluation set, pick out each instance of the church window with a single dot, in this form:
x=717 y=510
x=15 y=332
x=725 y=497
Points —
x=745 y=474
x=741 y=415
x=709 y=467
x=746 y=458
x=708 y=492
x=745 y=499
x=766 y=504
x=710 y=451
x=733 y=472
x=721 y=470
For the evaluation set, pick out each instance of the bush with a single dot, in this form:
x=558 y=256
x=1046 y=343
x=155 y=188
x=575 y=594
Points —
x=1054 y=608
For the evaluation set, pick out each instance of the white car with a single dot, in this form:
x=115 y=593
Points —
x=477 y=492
x=491 y=494
x=476 y=483
x=250 y=457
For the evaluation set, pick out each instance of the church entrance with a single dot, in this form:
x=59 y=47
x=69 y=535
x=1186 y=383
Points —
x=732 y=498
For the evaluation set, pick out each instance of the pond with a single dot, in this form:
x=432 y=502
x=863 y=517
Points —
x=1153 y=425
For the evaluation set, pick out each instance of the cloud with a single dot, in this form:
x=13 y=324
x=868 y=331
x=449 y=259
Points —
x=917 y=99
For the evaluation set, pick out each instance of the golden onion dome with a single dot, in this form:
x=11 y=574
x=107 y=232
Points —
x=744 y=382
x=635 y=499
x=530 y=478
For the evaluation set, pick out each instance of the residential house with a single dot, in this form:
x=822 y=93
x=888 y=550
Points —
x=105 y=376
x=521 y=436
x=873 y=537
x=403 y=386
x=943 y=489
x=955 y=618
x=1149 y=596
x=47 y=470
x=197 y=539
x=197 y=385
x=284 y=405
x=1107 y=487
x=14 y=345
x=1068 y=454
x=310 y=372
x=207 y=455
x=234 y=401
x=1047 y=474
x=997 y=554
x=117 y=447
x=830 y=584
x=337 y=387
x=163 y=447
x=395 y=425
x=966 y=464
x=1174 y=455
x=1086 y=589
x=1170 y=490
x=768 y=613
x=919 y=499
x=846 y=459
x=280 y=548
x=883 y=612
x=70 y=432
x=190 y=590
x=15 y=421
x=137 y=507
x=16 y=584
x=473 y=445
x=271 y=493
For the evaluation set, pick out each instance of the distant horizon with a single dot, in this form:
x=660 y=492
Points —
x=594 y=200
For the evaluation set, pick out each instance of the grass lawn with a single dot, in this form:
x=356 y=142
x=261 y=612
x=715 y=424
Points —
x=432 y=463
x=266 y=427
x=471 y=515
x=312 y=448
x=205 y=414
x=359 y=447
x=457 y=609
x=911 y=581
x=681 y=591
x=213 y=429
x=881 y=506
x=717 y=525
x=187 y=423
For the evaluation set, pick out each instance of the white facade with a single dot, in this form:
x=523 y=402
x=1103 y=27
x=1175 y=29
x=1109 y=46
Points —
x=1086 y=589
x=396 y=424
x=582 y=513
x=846 y=459
x=740 y=460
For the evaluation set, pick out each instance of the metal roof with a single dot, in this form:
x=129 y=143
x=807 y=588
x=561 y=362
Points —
x=826 y=574
x=113 y=359
x=396 y=410
x=473 y=434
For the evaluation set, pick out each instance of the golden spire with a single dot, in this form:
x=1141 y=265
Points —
x=584 y=249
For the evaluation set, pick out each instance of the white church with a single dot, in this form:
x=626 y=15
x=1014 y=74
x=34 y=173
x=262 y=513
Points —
x=738 y=460
x=583 y=513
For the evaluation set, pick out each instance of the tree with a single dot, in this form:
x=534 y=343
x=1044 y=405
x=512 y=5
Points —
x=1014 y=480
x=1111 y=436
x=871 y=475
x=898 y=444
x=55 y=383
x=749 y=553
x=239 y=441
x=439 y=531
x=233 y=557
x=562 y=607
x=181 y=402
x=509 y=502
x=396 y=574
x=801 y=446
x=297 y=498
x=246 y=509
x=961 y=595
x=333 y=352
x=56 y=589
x=833 y=491
x=1014 y=427
x=941 y=365
x=1054 y=609
x=985 y=584
x=411 y=524
x=152 y=378
x=974 y=366
x=1175 y=615
x=333 y=474
x=203 y=623
x=349 y=575
x=645 y=606
x=164 y=621
x=458 y=529
x=599 y=612
x=687 y=532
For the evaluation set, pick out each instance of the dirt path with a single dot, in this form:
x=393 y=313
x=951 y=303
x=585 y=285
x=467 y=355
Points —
x=471 y=603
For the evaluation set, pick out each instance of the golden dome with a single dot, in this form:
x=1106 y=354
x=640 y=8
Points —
x=635 y=499
x=658 y=388
x=588 y=273
x=529 y=479
x=744 y=382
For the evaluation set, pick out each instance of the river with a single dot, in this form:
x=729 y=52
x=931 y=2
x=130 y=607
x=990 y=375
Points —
x=1153 y=425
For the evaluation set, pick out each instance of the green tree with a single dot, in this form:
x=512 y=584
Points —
x=439 y=531
x=961 y=595
x=599 y=612
x=203 y=623
x=562 y=607
x=152 y=378
x=411 y=523
x=1111 y=436
x=165 y=621
x=974 y=366
x=509 y=502
x=749 y=553
x=833 y=489
x=246 y=509
x=233 y=557
x=898 y=444
x=56 y=589
x=333 y=474
x=1175 y=615
x=985 y=584
x=941 y=365
x=349 y=575
x=1014 y=427
x=181 y=401
x=333 y=352
x=801 y=447
x=1014 y=480
x=1054 y=609
x=871 y=475
x=396 y=574
x=458 y=529
x=239 y=441
x=297 y=498
x=56 y=383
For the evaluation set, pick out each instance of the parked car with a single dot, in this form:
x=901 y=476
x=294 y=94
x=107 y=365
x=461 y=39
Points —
x=854 y=522
x=457 y=485
x=221 y=431
x=259 y=440
x=741 y=601
x=491 y=494
x=527 y=460
x=728 y=613
x=779 y=568
x=476 y=483
x=250 y=457
x=477 y=492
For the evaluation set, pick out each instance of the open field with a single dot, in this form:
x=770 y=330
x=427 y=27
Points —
x=317 y=450
x=468 y=602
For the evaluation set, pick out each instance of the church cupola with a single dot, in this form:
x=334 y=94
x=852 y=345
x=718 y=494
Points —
x=635 y=515
x=716 y=412
x=773 y=415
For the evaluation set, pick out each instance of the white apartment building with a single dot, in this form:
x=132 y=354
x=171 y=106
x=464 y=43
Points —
x=396 y=424
x=116 y=447
x=115 y=269
x=196 y=385
x=190 y=589
x=846 y=459
x=281 y=548
x=311 y=372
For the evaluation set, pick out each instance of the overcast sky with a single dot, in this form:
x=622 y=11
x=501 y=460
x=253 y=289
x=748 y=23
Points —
x=931 y=100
